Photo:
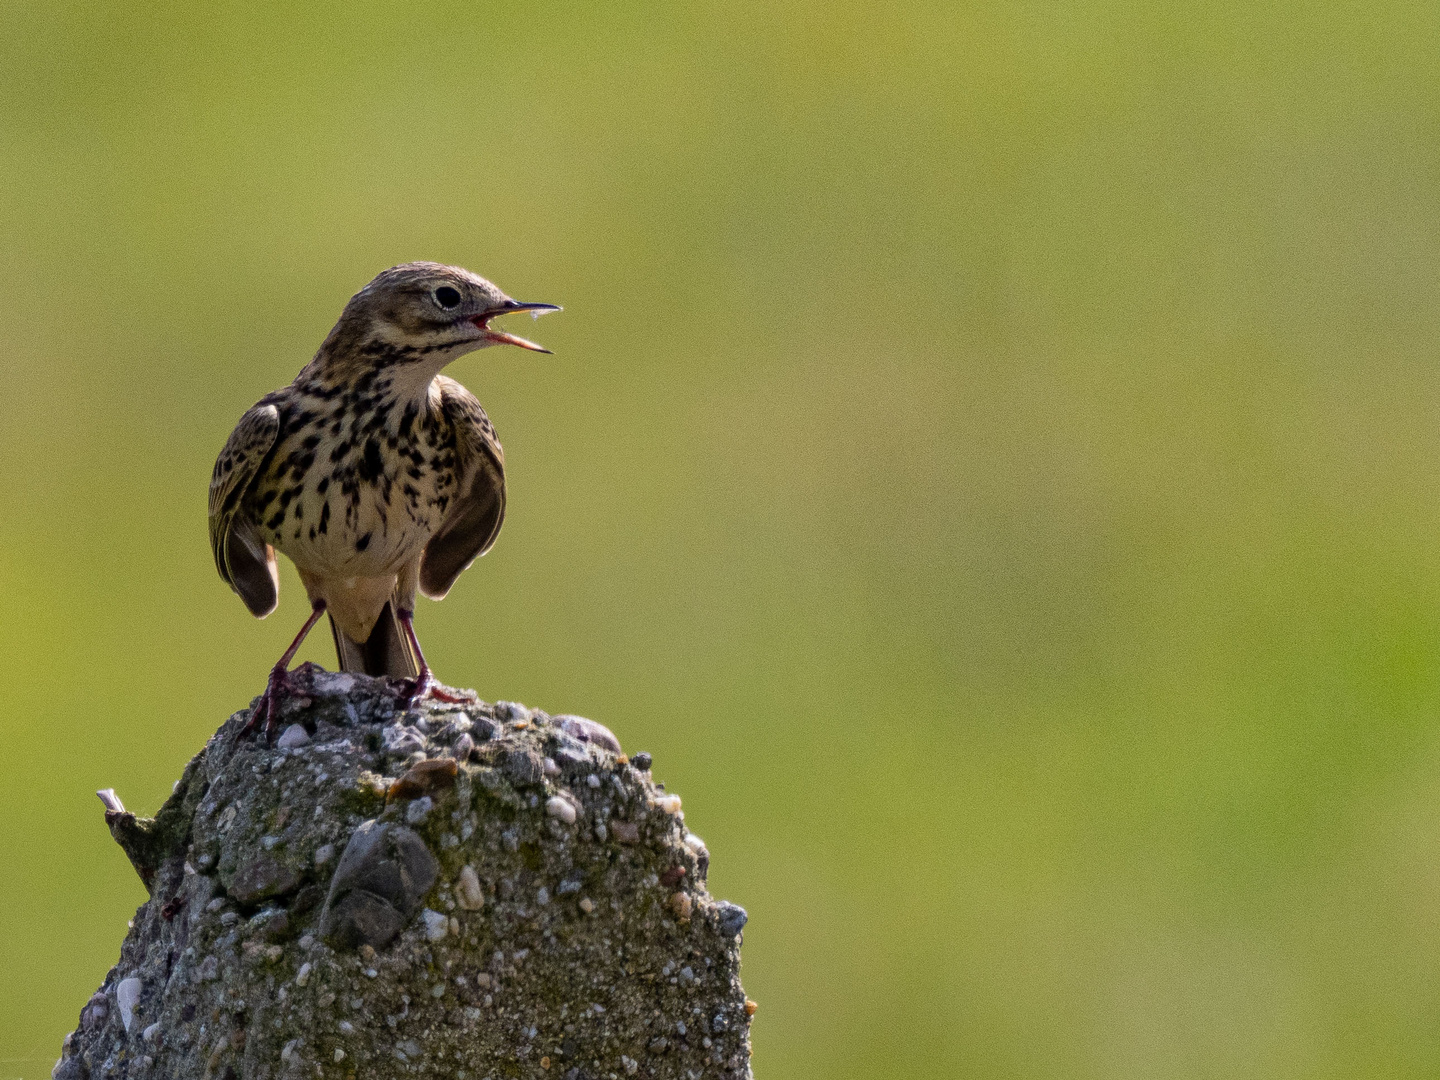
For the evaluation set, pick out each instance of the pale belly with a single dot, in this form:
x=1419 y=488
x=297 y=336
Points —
x=356 y=567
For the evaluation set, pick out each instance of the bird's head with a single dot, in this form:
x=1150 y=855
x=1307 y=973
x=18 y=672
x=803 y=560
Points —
x=424 y=313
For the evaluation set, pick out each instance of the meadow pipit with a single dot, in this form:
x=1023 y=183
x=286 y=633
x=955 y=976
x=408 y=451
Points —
x=374 y=473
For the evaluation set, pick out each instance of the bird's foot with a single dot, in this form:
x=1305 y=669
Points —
x=267 y=709
x=423 y=686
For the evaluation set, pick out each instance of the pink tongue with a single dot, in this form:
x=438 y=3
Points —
x=510 y=339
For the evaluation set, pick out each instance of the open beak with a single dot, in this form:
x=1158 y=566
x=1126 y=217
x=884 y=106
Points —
x=482 y=321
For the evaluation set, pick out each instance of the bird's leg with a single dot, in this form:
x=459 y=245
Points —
x=425 y=684
x=268 y=708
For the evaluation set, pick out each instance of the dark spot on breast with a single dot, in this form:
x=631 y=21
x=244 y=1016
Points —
x=322 y=485
x=371 y=465
x=275 y=521
x=325 y=517
x=363 y=542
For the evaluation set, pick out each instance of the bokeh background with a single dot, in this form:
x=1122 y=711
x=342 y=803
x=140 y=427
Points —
x=991 y=459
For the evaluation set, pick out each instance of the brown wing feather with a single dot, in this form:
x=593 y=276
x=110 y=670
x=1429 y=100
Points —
x=474 y=519
x=245 y=563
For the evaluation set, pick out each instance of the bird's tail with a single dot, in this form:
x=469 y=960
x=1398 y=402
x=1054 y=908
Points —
x=386 y=652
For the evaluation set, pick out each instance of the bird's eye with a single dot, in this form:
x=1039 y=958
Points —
x=447 y=297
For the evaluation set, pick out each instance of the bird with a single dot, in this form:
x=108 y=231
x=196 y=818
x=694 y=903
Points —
x=375 y=474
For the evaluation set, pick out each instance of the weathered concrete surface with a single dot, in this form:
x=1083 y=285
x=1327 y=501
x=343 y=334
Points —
x=464 y=891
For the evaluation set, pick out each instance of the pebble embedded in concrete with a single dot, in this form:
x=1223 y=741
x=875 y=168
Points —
x=627 y=832
x=293 y=737
x=463 y=746
x=127 y=996
x=561 y=808
x=468 y=892
x=513 y=711
x=436 y=925
x=682 y=905
x=381 y=878
x=731 y=917
x=400 y=741
x=586 y=730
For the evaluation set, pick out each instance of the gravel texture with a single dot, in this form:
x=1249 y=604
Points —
x=466 y=891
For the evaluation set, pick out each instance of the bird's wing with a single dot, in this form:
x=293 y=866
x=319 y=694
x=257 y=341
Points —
x=474 y=518
x=245 y=562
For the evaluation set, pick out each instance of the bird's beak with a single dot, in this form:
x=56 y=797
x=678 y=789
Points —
x=507 y=308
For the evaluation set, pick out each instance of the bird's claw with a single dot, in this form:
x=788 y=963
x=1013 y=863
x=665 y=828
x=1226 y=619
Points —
x=423 y=686
x=267 y=709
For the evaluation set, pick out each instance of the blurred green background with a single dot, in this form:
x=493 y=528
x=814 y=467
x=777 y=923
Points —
x=990 y=459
